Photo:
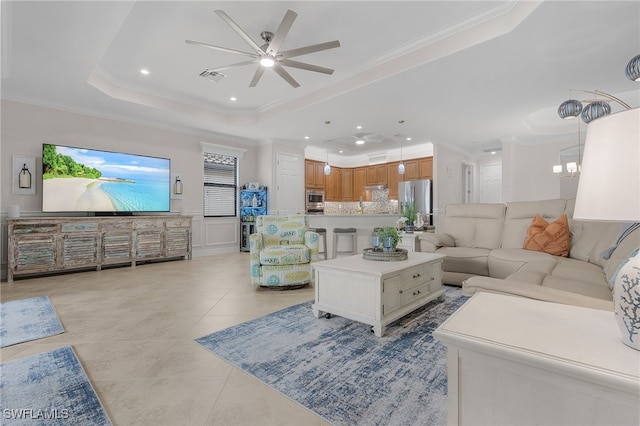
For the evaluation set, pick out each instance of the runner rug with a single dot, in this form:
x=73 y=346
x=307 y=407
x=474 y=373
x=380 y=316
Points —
x=340 y=370
x=28 y=319
x=50 y=388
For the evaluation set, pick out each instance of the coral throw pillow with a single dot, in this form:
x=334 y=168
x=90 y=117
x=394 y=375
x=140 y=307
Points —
x=552 y=238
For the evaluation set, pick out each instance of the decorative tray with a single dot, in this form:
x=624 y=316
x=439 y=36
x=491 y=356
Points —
x=384 y=256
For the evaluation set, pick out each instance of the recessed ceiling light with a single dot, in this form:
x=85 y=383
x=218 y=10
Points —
x=341 y=151
x=144 y=71
x=409 y=138
x=359 y=142
x=358 y=127
x=233 y=99
x=306 y=137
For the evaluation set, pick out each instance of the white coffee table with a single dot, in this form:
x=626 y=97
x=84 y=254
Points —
x=375 y=292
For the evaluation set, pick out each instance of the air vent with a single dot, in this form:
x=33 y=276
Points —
x=214 y=76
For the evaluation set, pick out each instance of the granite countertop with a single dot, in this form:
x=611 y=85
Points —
x=358 y=214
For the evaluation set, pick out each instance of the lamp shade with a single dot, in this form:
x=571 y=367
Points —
x=633 y=69
x=570 y=109
x=595 y=110
x=609 y=186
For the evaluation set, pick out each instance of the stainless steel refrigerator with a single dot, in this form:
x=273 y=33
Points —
x=419 y=192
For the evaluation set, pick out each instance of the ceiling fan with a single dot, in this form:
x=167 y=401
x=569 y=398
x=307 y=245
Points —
x=361 y=139
x=269 y=54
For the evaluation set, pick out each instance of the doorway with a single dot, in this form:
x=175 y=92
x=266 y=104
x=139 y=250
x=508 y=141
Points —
x=289 y=184
x=467 y=182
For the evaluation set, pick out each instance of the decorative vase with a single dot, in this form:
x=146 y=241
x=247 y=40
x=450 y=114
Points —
x=387 y=244
x=408 y=229
x=626 y=300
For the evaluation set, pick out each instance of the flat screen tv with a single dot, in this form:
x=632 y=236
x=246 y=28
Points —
x=103 y=182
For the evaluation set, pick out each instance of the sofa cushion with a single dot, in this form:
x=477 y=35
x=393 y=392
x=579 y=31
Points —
x=552 y=238
x=505 y=262
x=586 y=288
x=466 y=260
x=475 y=225
x=285 y=254
x=518 y=218
x=574 y=269
x=621 y=254
x=587 y=239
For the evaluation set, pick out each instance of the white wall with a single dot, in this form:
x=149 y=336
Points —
x=447 y=177
x=527 y=171
x=25 y=127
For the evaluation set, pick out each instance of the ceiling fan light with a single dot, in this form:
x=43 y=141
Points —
x=570 y=109
x=267 y=62
x=401 y=168
x=595 y=110
x=633 y=69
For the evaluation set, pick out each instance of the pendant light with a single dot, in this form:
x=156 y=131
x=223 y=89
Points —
x=401 y=165
x=327 y=167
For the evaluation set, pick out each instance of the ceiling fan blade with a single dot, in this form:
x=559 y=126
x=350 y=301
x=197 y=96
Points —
x=256 y=76
x=309 y=49
x=281 y=32
x=223 y=49
x=303 y=66
x=238 y=64
x=226 y=18
x=284 y=74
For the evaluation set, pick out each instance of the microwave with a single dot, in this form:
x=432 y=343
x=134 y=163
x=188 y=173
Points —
x=315 y=202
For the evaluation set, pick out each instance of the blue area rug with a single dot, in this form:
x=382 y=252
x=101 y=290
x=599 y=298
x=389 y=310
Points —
x=27 y=319
x=49 y=389
x=340 y=370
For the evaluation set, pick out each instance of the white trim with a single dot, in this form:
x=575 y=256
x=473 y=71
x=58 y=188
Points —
x=223 y=149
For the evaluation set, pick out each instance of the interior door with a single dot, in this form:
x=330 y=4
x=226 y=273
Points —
x=289 y=184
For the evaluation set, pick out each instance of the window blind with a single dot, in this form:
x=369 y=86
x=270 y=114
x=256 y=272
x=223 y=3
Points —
x=220 y=185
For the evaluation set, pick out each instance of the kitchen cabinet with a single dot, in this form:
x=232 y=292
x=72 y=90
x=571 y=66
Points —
x=411 y=170
x=333 y=185
x=359 y=182
x=393 y=177
x=347 y=184
x=314 y=174
x=377 y=174
x=425 y=168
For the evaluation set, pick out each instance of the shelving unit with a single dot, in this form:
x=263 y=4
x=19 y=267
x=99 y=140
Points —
x=249 y=210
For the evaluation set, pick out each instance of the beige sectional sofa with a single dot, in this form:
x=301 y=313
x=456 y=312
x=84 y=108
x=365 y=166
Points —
x=484 y=248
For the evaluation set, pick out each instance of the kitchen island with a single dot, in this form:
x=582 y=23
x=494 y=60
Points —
x=364 y=224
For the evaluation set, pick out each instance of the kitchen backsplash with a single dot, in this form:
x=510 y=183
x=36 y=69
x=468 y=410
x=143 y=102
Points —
x=368 y=207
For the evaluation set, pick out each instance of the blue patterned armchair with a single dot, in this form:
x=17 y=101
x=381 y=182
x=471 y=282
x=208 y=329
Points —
x=282 y=250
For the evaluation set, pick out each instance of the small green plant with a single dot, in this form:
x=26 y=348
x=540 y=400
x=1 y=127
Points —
x=409 y=211
x=390 y=231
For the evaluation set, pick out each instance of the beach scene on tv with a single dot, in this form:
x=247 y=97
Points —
x=78 y=179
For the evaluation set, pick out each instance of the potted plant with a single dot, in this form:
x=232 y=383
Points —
x=408 y=213
x=390 y=237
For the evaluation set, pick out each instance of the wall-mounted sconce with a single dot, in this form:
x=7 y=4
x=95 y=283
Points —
x=177 y=186
x=24 y=177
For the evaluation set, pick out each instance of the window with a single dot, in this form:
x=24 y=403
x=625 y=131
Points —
x=220 y=185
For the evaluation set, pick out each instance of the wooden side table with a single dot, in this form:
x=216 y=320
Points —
x=516 y=361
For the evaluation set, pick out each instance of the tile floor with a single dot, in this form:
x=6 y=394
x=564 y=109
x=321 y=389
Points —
x=133 y=331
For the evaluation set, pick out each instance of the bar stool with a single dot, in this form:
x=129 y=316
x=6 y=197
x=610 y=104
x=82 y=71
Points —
x=322 y=232
x=347 y=232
